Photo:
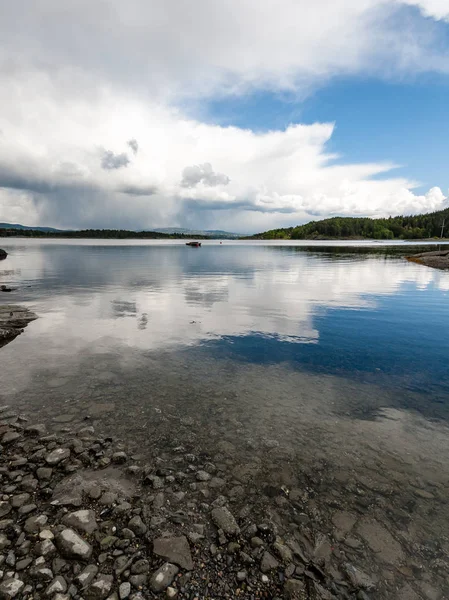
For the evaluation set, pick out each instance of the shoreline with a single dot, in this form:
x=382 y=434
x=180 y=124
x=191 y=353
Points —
x=178 y=526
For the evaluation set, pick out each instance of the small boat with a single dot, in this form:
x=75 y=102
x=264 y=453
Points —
x=194 y=244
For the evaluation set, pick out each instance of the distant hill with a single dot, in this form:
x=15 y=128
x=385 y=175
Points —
x=10 y=229
x=25 y=227
x=213 y=233
x=414 y=227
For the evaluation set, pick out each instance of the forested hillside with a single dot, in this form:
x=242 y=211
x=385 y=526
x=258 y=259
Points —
x=408 y=227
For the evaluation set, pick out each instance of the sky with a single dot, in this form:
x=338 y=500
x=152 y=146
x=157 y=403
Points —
x=236 y=115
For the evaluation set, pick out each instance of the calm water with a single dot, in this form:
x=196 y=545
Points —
x=290 y=361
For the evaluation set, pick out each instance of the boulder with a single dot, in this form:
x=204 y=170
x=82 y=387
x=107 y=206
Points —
x=3 y=254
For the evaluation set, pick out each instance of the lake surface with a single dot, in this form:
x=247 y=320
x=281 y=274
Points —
x=312 y=367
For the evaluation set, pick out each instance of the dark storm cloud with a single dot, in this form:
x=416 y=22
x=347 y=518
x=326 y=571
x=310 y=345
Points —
x=111 y=161
x=133 y=145
x=205 y=205
x=10 y=179
x=204 y=173
x=138 y=190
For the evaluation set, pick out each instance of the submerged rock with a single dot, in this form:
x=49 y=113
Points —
x=13 y=319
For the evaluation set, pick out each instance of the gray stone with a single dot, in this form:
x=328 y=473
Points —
x=10 y=588
x=34 y=524
x=4 y=542
x=58 y=585
x=140 y=566
x=294 y=590
x=71 y=545
x=45 y=548
x=46 y=534
x=57 y=456
x=27 y=509
x=138 y=581
x=128 y=534
x=156 y=482
x=137 y=525
x=203 y=476
x=5 y=509
x=163 y=577
x=108 y=498
x=43 y=574
x=175 y=550
x=268 y=563
x=380 y=541
x=358 y=578
x=100 y=588
x=10 y=436
x=87 y=575
x=81 y=520
x=284 y=552
x=36 y=430
x=224 y=520
x=19 y=500
x=124 y=590
x=119 y=458
x=44 y=473
x=23 y=564
x=241 y=576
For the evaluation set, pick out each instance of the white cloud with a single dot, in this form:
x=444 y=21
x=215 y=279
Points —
x=100 y=76
x=283 y=174
x=195 y=48
x=436 y=9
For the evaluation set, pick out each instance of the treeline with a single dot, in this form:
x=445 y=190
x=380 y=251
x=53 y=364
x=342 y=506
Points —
x=407 y=228
x=96 y=233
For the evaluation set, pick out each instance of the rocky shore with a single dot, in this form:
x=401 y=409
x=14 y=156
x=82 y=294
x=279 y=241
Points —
x=81 y=518
x=13 y=320
x=438 y=259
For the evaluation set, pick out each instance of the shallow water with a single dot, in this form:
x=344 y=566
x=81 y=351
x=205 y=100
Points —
x=321 y=369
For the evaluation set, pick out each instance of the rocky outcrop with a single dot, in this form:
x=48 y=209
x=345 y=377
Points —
x=13 y=320
x=438 y=259
x=3 y=254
